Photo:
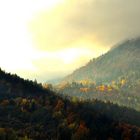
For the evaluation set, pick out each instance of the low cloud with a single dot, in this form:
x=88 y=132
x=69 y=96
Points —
x=101 y=22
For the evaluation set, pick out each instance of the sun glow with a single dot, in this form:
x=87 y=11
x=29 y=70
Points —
x=70 y=55
x=17 y=50
x=36 y=39
x=51 y=3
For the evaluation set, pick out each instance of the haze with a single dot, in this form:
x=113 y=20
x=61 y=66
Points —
x=47 y=39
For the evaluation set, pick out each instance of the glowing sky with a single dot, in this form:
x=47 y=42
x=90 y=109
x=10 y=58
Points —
x=46 y=39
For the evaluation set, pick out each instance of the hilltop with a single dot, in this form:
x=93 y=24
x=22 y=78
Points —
x=122 y=60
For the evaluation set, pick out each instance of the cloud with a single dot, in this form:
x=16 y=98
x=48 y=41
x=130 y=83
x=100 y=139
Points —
x=101 y=22
x=61 y=36
x=59 y=63
x=90 y=25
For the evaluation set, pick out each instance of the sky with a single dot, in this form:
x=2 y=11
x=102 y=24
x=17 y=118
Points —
x=48 y=39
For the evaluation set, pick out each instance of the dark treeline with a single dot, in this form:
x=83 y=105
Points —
x=30 y=112
x=11 y=83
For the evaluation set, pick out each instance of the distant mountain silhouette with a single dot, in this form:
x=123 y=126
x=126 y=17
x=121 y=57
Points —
x=122 y=60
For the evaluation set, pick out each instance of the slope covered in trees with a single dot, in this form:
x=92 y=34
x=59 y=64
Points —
x=123 y=60
x=29 y=112
x=113 y=77
x=123 y=92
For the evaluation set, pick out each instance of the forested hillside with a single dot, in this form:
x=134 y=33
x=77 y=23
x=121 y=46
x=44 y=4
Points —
x=30 y=112
x=113 y=77
x=121 y=92
x=123 y=60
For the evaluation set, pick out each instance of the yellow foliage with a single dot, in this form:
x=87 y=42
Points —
x=87 y=82
x=24 y=101
x=63 y=85
x=47 y=86
x=109 y=88
x=123 y=82
x=104 y=88
x=113 y=82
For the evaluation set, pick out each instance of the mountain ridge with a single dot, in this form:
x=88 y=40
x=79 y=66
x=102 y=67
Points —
x=121 y=60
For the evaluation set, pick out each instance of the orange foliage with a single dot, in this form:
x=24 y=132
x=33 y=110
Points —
x=70 y=118
x=84 y=90
x=82 y=131
x=4 y=102
x=59 y=105
x=102 y=88
x=47 y=86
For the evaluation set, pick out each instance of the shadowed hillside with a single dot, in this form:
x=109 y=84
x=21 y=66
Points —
x=29 y=112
